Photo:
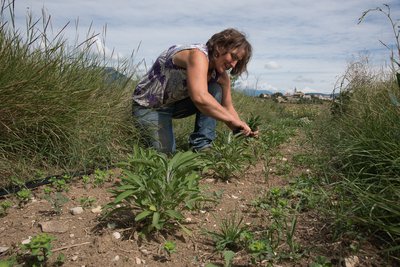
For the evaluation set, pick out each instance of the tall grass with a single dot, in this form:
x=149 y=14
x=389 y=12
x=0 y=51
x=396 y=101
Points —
x=58 y=110
x=363 y=136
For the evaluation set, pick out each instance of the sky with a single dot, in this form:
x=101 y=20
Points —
x=302 y=44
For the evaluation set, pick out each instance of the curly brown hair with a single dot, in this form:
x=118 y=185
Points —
x=227 y=40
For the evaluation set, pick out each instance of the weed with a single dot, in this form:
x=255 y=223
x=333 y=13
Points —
x=39 y=248
x=86 y=180
x=159 y=188
x=229 y=234
x=87 y=202
x=254 y=122
x=60 y=184
x=260 y=250
x=170 y=247
x=321 y=261
x=100 y=177
x=56 y=200
x=228 y=157
x=4 y=206
x=24 y=195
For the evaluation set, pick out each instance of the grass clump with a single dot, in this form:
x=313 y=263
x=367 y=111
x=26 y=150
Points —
x=58 y=110
x=363 y=135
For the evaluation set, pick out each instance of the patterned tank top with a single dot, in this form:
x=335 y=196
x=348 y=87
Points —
x=165 y=83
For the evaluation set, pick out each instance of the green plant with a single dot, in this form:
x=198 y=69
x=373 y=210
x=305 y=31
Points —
x=228 y=156
x=228 y=259
x=260 y=250
x=159 y=188
x=170 y=247
x=87 y=202
x=254 y=122
x=24 y=195
x=56 y=200
x=60 y=259
x=100 y=177
x=39 y=248
x=4 y=206
x=229 y=234
x=60 y=184
x=10 y=262
x=321 y=261
x=86 y=180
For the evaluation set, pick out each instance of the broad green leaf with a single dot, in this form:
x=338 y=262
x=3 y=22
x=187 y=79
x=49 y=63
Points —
x=142 y=215
x=174 y=214
x=123 y=195
x=228 y=256
x=125 y=187
x=156 y=219
x=152 y=208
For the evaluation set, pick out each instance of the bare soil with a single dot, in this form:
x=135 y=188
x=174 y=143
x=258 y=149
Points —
x=85 y=241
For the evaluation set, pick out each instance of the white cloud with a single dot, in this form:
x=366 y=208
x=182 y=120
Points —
x=272 y=65
x=301 y=79
x=293 y=41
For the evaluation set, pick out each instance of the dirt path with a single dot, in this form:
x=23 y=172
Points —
x=86 y=243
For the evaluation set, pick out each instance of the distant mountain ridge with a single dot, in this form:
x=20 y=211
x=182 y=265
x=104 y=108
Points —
x=254 y=92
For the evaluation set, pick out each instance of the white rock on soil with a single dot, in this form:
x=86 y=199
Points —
x=74 y=258
x=97 y=209
x=352 y=261
x=138 y=261
x=53 y=227
x=111 y=225
x=116 y=235
x=26 y=241
x=4 y=249
x=116 y=258
x=76 y=210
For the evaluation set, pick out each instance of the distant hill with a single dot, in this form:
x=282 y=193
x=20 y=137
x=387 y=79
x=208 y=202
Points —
x=254 y=92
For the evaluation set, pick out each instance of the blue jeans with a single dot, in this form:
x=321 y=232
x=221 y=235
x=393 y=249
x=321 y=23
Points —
x=158 y=123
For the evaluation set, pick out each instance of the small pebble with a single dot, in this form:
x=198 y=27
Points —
x=116 y=235
x=76 y=210
x=3 y=249
x=111 y=225
x=26 y=241
x=97 y=209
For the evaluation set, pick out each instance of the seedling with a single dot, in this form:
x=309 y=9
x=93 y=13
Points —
x=259 y=250
x=24 y=195
x=228 y=157
x=87 y=202
x=100 y=177
x=60 y=184
x=229 y=234
x=170 y=247
x=86 y=180
x=4 y=206
x=56 y=200
x=321 y=261
x=39 y=248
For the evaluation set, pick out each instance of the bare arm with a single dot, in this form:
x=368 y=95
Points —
x=196 y=64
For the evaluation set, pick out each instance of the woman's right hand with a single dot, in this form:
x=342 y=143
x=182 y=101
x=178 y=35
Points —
x=238 y=125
